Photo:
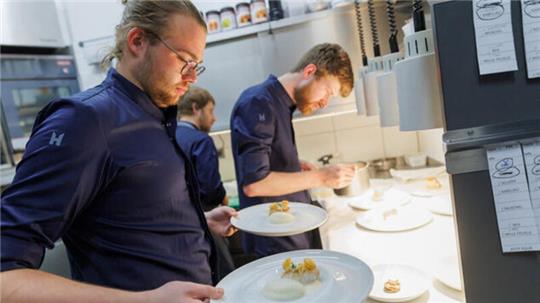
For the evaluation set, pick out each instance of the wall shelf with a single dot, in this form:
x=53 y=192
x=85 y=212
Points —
x=263 y=27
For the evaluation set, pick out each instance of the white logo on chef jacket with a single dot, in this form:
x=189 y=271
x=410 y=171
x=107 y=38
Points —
x=262 y=118
x=56 y=139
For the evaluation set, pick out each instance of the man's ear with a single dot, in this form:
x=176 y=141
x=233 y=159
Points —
x=136 y=42
x=194 y=109
x=309 y=71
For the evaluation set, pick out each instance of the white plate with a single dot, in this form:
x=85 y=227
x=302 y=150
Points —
x=392 y=197
x=447 y=271
x=426 y=192
x=413 y=282
x=441 y=205
x=344 y=278
x=255 y=220
x=405 y=218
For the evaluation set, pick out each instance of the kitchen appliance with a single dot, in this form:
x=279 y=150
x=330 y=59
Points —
x=375 y=66
x=31 y=23
x=479 y=111
x=418 y=89
x=29 y=82
x=5 y=141
x=386 y=81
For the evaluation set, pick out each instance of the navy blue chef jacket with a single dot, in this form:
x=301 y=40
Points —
x=262 y=137
x=103 y=172
x=203 y=155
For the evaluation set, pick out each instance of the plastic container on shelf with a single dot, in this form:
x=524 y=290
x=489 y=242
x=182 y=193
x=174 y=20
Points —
x=213 y=21
x=258 y=11
x=295 y=7
x=275 y=10
x=317 y=5
x=243 y=14
x=228 y=18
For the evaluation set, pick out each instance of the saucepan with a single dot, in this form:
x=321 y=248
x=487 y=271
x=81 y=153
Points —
x=360 y=181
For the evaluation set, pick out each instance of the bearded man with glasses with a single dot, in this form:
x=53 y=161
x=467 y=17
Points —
x=103 y=172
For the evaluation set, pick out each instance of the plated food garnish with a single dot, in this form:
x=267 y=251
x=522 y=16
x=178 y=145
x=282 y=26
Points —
x=392 y=286
x=377 y=195
x=389 y=213
x=282 y=206
x=279 y=213
x=305 y=272
x=433 y=183
x=290 y=286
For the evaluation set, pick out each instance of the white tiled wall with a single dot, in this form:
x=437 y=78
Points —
x=348 y=136
x=430 y=142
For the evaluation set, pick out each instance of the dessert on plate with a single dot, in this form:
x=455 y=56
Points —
x=291 y=285
x=279 y=213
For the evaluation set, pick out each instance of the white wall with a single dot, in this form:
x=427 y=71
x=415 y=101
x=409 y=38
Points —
x=351 y=137
x=430 y=142
x=87 y=20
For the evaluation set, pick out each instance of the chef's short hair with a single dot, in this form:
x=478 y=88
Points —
x=152 y=16
x=331 y=60
x=195 y=95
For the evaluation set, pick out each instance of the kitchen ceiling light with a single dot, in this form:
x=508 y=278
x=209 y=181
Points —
x=418 y=85
x=387 y=92
x=386 y=81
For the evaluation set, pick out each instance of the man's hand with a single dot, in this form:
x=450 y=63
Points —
x=337 y=176
x=183 y=292
x=307 y=166
x=219 y=220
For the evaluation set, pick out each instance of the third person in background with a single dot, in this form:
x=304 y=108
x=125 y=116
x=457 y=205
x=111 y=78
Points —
x=196 y=114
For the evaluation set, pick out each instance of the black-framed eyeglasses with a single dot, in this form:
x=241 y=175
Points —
x=189 y=65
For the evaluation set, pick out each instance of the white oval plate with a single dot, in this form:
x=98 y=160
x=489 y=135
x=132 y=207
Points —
x=392 y=197
x=255 y=220
x=344 y=278
x=441 y=205
x=413 y=282
x=447 y=271
x=407 y=217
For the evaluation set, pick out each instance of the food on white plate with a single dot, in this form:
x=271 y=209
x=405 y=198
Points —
x=377 y=195
x=389 y=213
x=282 y=206
x=433 y=183
x=305 y=272
x=282 y=289
x=279 y=213
x=392 y=286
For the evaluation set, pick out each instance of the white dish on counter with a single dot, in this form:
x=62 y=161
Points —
x=441 y=204
x=427 y=193
x=413 y=282
x=447 y=272
x=255 y=220
x=392 y=197
x=395 y=219
x=343 y=278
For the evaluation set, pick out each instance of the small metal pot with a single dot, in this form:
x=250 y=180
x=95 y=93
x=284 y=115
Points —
x=359 y=183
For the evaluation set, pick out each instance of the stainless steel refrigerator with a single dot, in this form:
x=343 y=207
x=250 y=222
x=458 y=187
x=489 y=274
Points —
x=479 y=111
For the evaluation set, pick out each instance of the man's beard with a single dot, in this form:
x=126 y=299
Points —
x=203 y=125
x=155 y=84
x=301 y=98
